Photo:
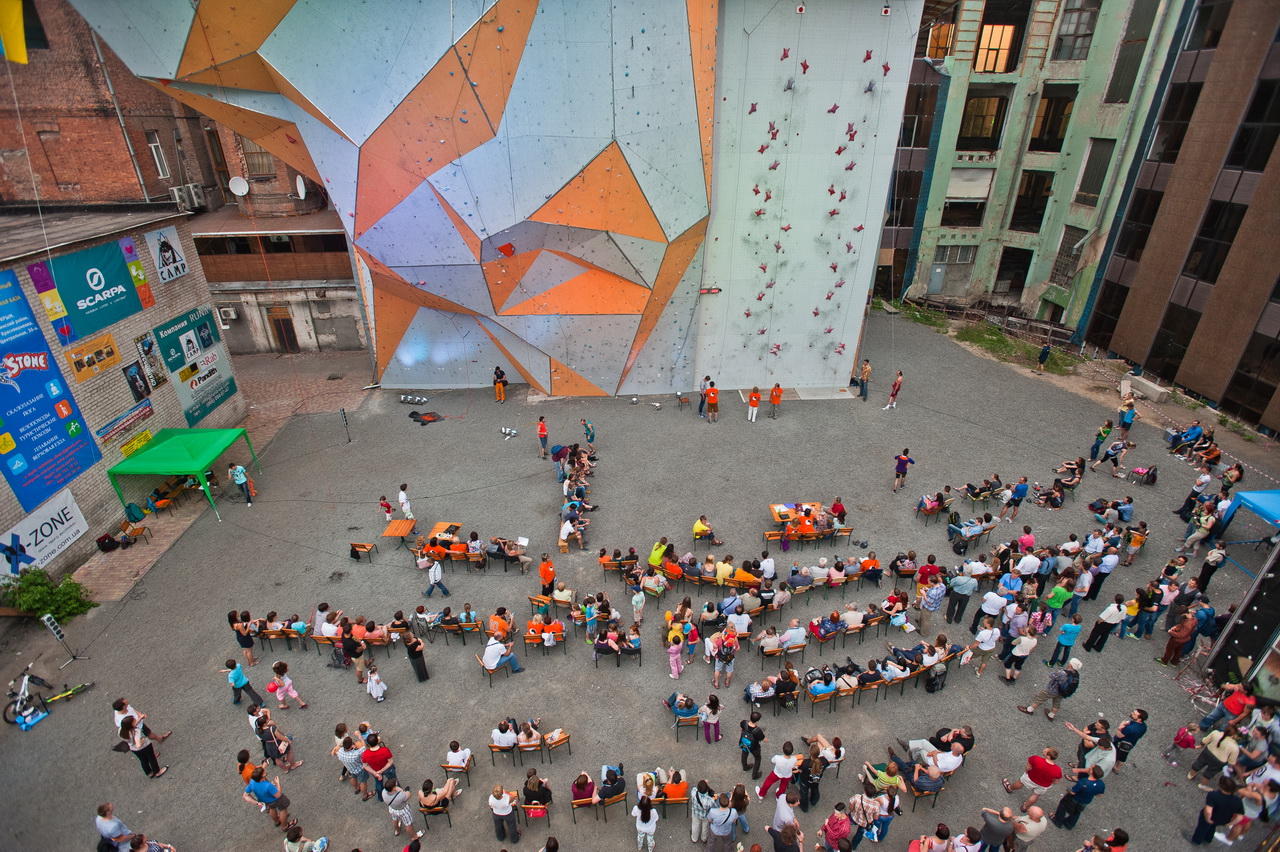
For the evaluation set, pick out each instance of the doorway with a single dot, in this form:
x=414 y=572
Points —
x=282 y=330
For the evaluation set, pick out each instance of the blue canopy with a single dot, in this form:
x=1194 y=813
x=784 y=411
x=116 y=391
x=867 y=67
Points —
x=1264 y=504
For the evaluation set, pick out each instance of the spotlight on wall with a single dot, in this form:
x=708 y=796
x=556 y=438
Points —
x=885 y=11
x=800 y=10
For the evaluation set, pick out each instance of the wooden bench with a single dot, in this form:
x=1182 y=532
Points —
x=495 y=750
x=772 y=535
x=436 y=811
x=674 y=800
x=823 y=641
x=379 y=642
x=490 y=672
x=552 y=745
x=917 y=795
x=563 y=545
x=529 y=748
x=845 y=532
x=536 y=601
x=775 y=652
x=929 y=513
x=685 y=722
x=546 y=812
x=621 y=797
x=287 y=634
x=815 y=700
x=578 y=804
x=459 y=556
x=367 y=548
x=464 y=770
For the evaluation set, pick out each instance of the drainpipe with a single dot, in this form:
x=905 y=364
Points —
x=124 y=131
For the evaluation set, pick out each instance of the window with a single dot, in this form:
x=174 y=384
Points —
x=1106 y=313
x=1211 y=18
x=1174 y=118
x=995 y=43
x=1094 y=175
x=257 y=159
x=1075 y=33
x=1034 y=191
x=1211 y=246
x=32 y=29
x=1255 y=380
x=1011 y=275
x=904 y=199
x=1133 y=47
x=963 y=214
x=982 y=123
x=955 y=254
x=917 y=119
x=1052 y=116
x=276 y=243
x=941 y=37
x=1064 y=265
x=1171 y=341
x=271 y=244
x=157 y=153
x=1275 y=291
x=1257 y=134
x=1137 y=223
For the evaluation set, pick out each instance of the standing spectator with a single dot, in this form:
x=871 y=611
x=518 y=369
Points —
x=701 y=801
x=270 y=797
x=384 y=506
x=809 y=777
x=753 y=404
x=1178 y=636
x=1127 y=735
x=240 y=477
x=996 y=826
x=784 y=766
x=721 y=821
x=893 y=392
x=1042 y=357
x=399 y=804
x=900 y=463
x=379 y=761
x=121 y=708
x=749 y=740
x=499 y=391
x=141 y=747
x=713 y=403
x=1042 y=772
x=1221 y=806
x=962 y=587
x=1017 y=495
x=1027 y=828
x=1220 y=748
x=837 y=828
x=930 y=600
x=1067 y=633
x=589 y=435
x=502 y=804
x=864 y=380
x=702 y=394
x=284 y=686
x=542 y=436
x=646 y=822
x=413 y=648
x=1127 y=414
x=1062 y=684
x=1078 y=797
x=403 y=499
x=1115 y=454
x=111 y=828
x=1103 y=431
x=775 y=400
x=1106 y=623
x=547 y=574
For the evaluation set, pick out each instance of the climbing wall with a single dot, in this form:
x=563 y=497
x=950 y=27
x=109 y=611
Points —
x=808 y=110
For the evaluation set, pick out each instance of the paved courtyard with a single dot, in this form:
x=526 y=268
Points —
x=962 y=417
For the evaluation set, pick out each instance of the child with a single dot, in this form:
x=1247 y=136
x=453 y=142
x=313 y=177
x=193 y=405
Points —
x=1184 y=739
x=673 y=654
x=339 y=734
x=375 y=686
x=284 y=686
x=386 y=506
x=589 y=616
x=637 y=604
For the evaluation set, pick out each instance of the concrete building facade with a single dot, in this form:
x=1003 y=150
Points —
x=1189 y=288
x=1021 y=123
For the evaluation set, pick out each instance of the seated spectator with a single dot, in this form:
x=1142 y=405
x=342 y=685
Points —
x=929 y=504
x=870 y=570
x=802 y=579
x=529 y=734
x=500 y=623
x=611 y=782
x=457 y=756
x=851 y=617
x=430 y=797
x=702 y=530
x=818 y=574
x=563 y=594
x=504 y=735
x=751 y=600
x=768 y=640
x=970 y=528
x=836 y=575
x=832 y=750
x=838 y=511
x=793 y=635
x=583 y=788
x=883 y=779
x=925 y=779
x=782 y=597
x=871 y=674
x=890 y=670
x=829 y=625
x=740 y=621
x=570 y=531
x=895 y=603
x=536 y=794
x=824 y=686
x=756 y=692
x=653 y=583
x=1050 y=498
x=681 y=705
x=978 y=492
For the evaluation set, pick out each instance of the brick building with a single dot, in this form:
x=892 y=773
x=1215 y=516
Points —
x=96 y=289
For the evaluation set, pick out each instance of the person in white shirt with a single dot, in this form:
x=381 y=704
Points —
x=505 y=825
x=403 y=499
x=498 y=654
x=1107 y=621
x=784 y=813
x=123 y=710
x=819 y=572
x=457 y=756
x=984 y=645
x=851 y=617
x=923 y=752
x=1027 y=565
x=740 y=620
x=993 y=604
x=503 y=736
x=767 y=568
x=783 y=766
x=1094 y=543
x=794 y=634
x=330 y=627
x=568 y=530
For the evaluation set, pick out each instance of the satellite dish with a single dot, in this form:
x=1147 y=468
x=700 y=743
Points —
x=302 y=187
x=239 y=186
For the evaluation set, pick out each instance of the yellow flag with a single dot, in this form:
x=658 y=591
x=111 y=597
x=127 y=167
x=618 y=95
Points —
x=13 y=40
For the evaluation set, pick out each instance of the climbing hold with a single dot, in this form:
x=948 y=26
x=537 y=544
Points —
x=849 y=167
x=762 y=331
x=752 y=110
x=767 y=195
x=829 y=329
x=786 y=51
x=747 y=313
x=760 y=212
x=843 y=195
x=769 y=286
x=871 y=87
x=501 y=28
x=840 y=283
x=834 y=107
x=764 y=267
x=840 y=349
x=763 y=148
x=756 y=189
x=840 y=150
x=834 y=267
x=773 y=134
x=777 y=246
x=886 y=69
x=829 y=295
x=760 y=297
x=463 y=120
x=850 y=129
x=859 y=228
x=804 y=66
x=816 y=312
x=786 y=227
x=791 y=84
x=833 y=212
x=831 y=190
x=773 y=167
x=772 y=126
x=853 y=134
x=867 y=58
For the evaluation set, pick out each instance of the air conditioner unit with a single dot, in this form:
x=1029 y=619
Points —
x=196 y=193
x=228 y=313
x=180 y=197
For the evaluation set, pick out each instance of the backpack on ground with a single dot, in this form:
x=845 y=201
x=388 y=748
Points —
x=953 y=519
x=106 y=543
x=936 y=679
x=1070 y=685
x=1150 y=478
x=960 y=546
x=133 y=512
x=355 y=554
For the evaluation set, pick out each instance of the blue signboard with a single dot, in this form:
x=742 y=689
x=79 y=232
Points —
x=44 y=442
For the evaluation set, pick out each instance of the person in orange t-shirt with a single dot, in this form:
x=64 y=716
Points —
x=713 y=403
x=806 y=522
x=775 y=401
x=753 y=404
x=547 y=573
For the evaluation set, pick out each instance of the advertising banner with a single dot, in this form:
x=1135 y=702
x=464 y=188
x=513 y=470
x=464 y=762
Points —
x=44 y=443
x=167 y=251
x=192 y=351
x=90 y=357
x=151 y=361
x=125 y=421
x=137 y=381
x=87 y=291
x=135 y=443
x=42 y=535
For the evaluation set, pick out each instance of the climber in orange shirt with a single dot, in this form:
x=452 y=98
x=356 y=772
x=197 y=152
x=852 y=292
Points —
x=713 y=403
x=775 y=400
x=753 y=404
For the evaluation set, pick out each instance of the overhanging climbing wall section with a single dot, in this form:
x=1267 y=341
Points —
x=808 y=110
x=526 y=180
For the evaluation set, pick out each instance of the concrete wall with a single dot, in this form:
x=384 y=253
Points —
x=323 y=323
x=808 y=110
x=104 y=397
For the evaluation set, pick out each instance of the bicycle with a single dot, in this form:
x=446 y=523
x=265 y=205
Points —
x=25 y=705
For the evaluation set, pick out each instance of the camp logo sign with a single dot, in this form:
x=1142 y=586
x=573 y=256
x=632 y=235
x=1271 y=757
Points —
x=44 y=443
x=167 y=252
x=87 y=291
x=193 y=353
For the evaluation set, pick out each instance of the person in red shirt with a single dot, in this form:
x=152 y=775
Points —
x=753 y=404
x=927 y=570
x=378 y=760
x=713 y=403
x=547 y=573
x=1237 y=703
x=1042 y=773
x=542 y=434
x=838 y=511
x=775 y=401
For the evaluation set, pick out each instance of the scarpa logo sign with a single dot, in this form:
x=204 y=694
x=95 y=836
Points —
x=97 y=281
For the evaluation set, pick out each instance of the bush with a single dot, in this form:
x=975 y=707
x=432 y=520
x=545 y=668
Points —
x=992 y=338
x=34 y=591
x=923 y=315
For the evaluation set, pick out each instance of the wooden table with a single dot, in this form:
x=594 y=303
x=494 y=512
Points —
x=399 y=529
x=784 y=512
x=440 y=531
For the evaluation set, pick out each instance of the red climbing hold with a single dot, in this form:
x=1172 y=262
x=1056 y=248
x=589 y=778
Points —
x=777 y=246
x=804 y=67
x=829 y=329
x=747 y=313
x=507 y=249
x=756 y=189
x=753 y=109
x=773 y=134
x=760 y=212
x=763 y=148
x=843 y=196
x=774 y=166
x=760 y=297
x=859 y=228
x=833 y=212
x=786 y=227
x=841 y=150
x=853 y=134
x=831 y=190
x=834 y=107
x=886 y=69
x=848 y=247
x=769 y=286
x=840 y=283
x=867 y=58
x=816 y=312
x=767 y=195
x=834 y=267
x=849 y=167
x=786 y=51
x=764 y=267
x=830 y=293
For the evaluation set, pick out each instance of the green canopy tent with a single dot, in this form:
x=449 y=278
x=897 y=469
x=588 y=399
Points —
x=181 y=451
